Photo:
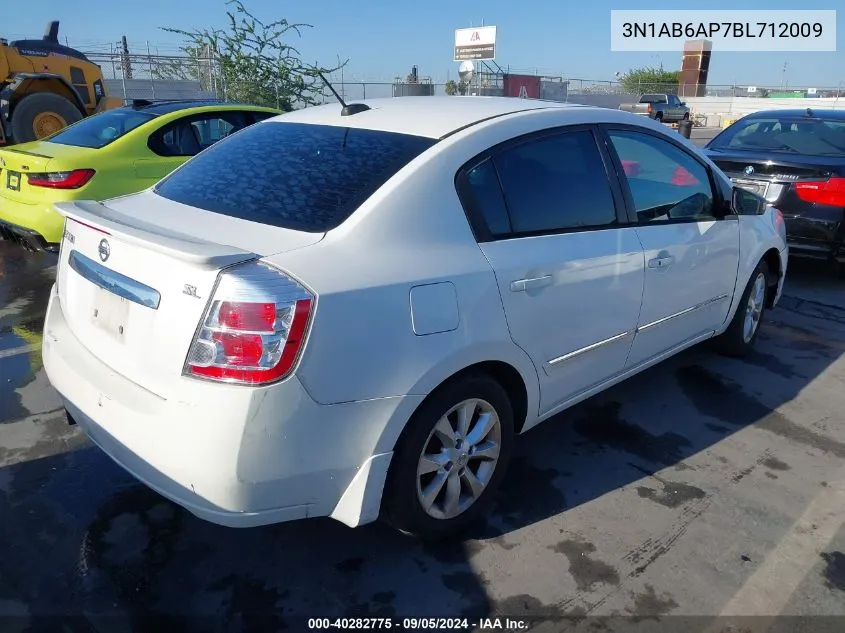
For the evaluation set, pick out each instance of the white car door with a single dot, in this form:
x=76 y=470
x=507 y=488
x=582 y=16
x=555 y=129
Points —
x=547 y=218
x=690 y=240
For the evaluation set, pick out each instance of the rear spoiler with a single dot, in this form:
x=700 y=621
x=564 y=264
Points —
x=98 y=216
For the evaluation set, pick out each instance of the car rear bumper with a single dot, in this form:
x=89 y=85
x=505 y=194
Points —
x=807 y=249
x=231 y=455
x=37 y=226
x=29 y=239
x=815 y=238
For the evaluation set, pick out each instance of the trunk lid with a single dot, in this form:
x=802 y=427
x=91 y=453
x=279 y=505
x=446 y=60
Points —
x=774 y=176
x=36 y=157
x=133 y=290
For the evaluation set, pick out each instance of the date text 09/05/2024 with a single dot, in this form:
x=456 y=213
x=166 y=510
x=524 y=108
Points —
x=418 y=624
x=708 y=30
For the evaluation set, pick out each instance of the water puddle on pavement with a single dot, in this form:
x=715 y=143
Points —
x=20 y=362
x=25 y=281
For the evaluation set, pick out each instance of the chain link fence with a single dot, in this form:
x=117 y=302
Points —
x=172 y=77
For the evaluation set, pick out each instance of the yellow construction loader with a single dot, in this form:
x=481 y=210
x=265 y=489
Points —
x=45 y=86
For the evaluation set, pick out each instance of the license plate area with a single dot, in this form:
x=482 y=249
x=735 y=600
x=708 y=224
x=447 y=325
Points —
x=754 y=186
x=13 y=180
x=110 y=314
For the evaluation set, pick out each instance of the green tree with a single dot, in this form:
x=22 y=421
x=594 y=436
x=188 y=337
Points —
x=456 y=87
x=642 y=80
x=250 y=61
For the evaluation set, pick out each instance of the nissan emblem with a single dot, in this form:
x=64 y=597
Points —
x=104 y=250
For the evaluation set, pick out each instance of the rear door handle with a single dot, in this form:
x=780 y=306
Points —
x=521 y=285
x=661 y=262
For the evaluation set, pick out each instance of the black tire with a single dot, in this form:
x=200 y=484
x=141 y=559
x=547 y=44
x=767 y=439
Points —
x=733 y=341
x=686 y=116
x=659 y=117
x=25 y=113
x=401 y=505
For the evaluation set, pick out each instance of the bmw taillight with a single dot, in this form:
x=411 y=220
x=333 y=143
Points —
x=830 y=192
x=61 y=179
x=254 y=329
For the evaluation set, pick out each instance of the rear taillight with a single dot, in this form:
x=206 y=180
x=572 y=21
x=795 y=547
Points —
x=830 y=192
x=682 y=178
x=254 y=329
x=631 y=167
x=61 y=179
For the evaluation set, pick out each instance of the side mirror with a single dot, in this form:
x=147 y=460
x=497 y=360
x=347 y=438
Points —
x=744 y=202
x=683 y=103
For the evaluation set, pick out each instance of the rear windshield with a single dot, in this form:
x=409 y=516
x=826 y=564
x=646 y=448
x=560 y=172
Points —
x=292 y=175
x=653 y=99
x=101 y=129
x=812 y=137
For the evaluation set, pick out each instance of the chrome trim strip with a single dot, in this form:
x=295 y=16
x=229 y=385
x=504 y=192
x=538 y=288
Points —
x=589 y=348
x=703 y=304
x=114 y=282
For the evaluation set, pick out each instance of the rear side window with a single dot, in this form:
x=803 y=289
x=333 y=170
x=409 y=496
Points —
x=292 y=175
x=556 y=183
x=192 y=134
x=101 y=129
x=481 y=184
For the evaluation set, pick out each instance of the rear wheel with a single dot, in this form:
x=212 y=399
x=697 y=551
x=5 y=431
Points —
x=450 y=459
x=42 y=114
x=659 y=117
x=739 y=338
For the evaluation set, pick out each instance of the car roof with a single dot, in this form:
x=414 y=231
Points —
x=810 y=113
x=433 y=117
x=158 y=108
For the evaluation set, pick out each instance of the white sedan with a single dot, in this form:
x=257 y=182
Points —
x=352 y=314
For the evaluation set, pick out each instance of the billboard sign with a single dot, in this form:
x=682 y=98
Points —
x=475 y=44
x=524 y=86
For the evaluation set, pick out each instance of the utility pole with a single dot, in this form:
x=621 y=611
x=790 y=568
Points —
x=124 y=53
x=152 y=73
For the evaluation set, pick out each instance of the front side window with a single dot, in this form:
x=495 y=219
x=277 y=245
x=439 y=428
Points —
x=665 y=182
x=556 y=183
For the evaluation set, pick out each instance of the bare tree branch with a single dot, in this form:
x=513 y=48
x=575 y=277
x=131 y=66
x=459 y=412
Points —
x=251 y=61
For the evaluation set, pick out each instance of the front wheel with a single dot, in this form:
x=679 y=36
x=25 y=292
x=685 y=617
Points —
x=739 y=338
x=450 y=459
x=41 y=114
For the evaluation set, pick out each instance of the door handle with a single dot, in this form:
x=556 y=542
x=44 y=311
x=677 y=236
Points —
x=521 y=285
x=661 y=262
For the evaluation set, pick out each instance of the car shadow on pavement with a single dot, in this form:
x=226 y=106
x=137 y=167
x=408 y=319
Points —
x=80 y=536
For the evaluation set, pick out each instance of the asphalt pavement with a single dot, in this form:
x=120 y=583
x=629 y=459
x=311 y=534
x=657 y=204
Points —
x=705 y=486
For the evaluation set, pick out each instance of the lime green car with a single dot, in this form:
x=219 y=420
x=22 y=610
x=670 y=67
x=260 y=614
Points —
x=110 y=154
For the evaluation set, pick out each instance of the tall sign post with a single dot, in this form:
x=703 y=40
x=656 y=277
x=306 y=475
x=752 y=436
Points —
x=475 y=45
